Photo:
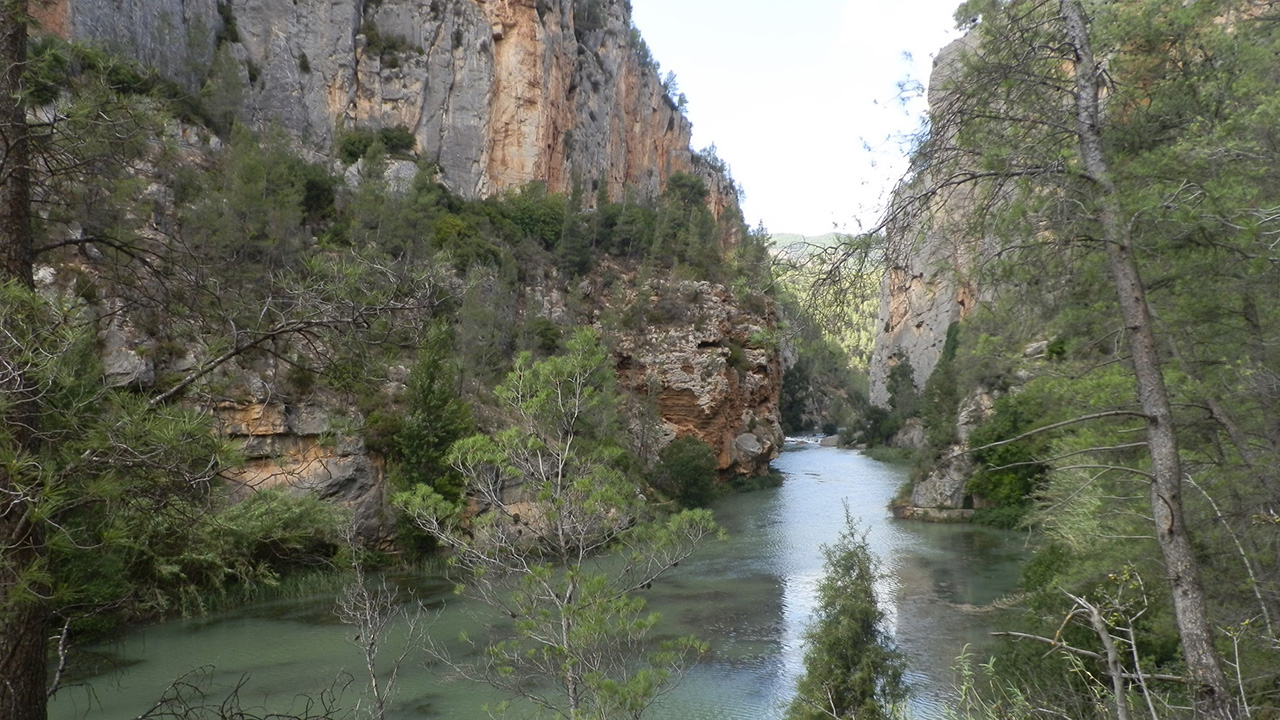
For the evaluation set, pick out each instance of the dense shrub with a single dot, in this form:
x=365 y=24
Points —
x=1007 y=474
x=686 y=472
x=354 y=144
x=851 y=666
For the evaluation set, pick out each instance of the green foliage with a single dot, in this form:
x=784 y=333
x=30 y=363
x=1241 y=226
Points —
x=253 y=210
x=138 y=531
x=643 y=55
x=879 y=425
x=228 y=32
x=821 y=387
x=686 y=472
x=752 y=483
x=223 y=92
x=588 y=17
x=354 y=144
x=904 y=398
x=560 y=560
x=852 y=669
x=685 y=233
x=273 y=530
x=573 y=249
x=435 y=417
x=544 y=336
x=797 y=382
x=1007 y=474
x=538 y=215
x=55 y=65
x=387 y=48
x=940 y=400
x=1191 y=91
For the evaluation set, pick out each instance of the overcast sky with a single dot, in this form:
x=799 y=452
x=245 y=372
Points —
x=801 y=97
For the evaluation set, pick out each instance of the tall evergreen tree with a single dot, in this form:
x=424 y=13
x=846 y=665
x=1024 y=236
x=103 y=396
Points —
x=852 y=670
x=23 y=617
x=1093 y=137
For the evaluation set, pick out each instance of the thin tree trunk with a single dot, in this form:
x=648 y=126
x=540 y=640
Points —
x=15 y=148
x=1204 y=669
x=22 y=613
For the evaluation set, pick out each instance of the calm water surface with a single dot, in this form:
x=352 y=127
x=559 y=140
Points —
x=749 y=596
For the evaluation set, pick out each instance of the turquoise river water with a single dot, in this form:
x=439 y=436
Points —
x=749 y=596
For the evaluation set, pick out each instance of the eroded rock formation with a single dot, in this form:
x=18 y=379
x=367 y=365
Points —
x=707 y=364
x=296 y=447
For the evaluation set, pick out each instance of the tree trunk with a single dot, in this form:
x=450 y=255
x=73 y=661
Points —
x=15 y=148
x=1208 y=682
x=22 y=613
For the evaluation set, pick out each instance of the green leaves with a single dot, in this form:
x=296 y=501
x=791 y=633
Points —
x=851 y=667
x=557 y=538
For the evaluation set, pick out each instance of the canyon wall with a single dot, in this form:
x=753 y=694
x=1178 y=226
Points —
x=710 y=366
x=926 y=286
x=496 y=93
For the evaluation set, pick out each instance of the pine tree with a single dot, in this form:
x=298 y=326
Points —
x=852 y=669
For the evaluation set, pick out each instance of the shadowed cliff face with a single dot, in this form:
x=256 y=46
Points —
x=497 y=93
x=925 y=287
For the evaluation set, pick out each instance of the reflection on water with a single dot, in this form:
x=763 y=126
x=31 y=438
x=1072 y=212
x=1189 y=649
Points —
x=749 y=597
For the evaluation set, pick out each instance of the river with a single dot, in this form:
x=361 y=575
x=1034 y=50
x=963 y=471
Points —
x=749 y=596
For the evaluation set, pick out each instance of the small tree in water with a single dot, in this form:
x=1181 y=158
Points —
x=852 y=669
x=559 y=541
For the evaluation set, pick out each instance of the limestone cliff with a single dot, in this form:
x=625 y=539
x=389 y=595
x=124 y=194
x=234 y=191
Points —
x=496 y=93
x=711 y=368
x=925 y=287
x=698 y=359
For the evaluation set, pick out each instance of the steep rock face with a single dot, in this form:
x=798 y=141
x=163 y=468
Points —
x=925 y=287
x=946 y=484
x=293 y=446
x=497 y=93
x=176 y=36
x=704 y=362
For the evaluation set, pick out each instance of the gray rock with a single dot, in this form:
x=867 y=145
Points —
x=945 y=485
x=748 y=446
x=127 y=355
x=926 y=287
x=911 y=436
x=176 y=36
x=307 y=419
x=973 y=411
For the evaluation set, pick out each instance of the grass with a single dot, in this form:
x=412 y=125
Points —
x=891 y=455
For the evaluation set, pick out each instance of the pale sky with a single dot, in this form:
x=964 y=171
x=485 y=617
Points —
x=794 y=93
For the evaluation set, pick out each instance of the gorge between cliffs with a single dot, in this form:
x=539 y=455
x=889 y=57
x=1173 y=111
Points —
x=372 y=359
